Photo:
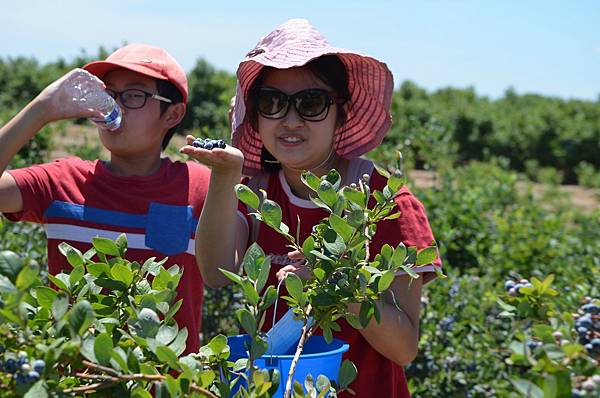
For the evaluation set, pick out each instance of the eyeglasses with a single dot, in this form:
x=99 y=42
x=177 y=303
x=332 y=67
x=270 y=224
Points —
x=311 y=104
x=134 y=99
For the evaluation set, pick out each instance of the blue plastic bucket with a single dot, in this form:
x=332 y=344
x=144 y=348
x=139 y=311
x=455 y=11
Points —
x=317 y=358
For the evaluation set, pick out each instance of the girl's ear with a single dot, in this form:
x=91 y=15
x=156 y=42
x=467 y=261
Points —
x=174 y=114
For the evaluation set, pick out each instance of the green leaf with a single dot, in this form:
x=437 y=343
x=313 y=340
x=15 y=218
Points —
x=110 y=284
x=76 y=274
x=122 y=273
x=121 y=243
x=340 y=226
x=103 y=347
x=247 y=320
x=527 y=388
x=166 y=355
x=98 y=269
x=399 y=254
x=139 y=392
x=347 y=373
x=250 y=292
x=105 y=246
x=61 y=281
x=356 y=218
x=263 y=276
x=246 y=195
x=10 y=265
x=327 y=193
x=323 y=383
x=426 y=256
x=311 y=180
x=74 y=256
x=293 y=284
x=219 y=344
x=382 y=171
x=60 y=306
x=354 y=196
x=178 y=346
x=232 y=276
x=6 y=286
x=319 y=273
x=271 y=214
x=166 y=334
x=396 y=181
x=27 y=276
x=385 y=281
x=334 y=243
x=38 y=390
x=45 y=296
x=81 y=316
x=253 y=258
x=366 y=313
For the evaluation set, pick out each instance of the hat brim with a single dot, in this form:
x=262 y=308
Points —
x=101 y=68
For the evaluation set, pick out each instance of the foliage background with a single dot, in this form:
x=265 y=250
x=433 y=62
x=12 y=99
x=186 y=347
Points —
x=490 y=225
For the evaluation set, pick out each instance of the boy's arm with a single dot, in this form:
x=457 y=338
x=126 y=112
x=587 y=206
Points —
x=53 y=103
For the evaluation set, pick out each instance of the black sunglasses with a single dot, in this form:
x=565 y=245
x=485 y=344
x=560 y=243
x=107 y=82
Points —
x=134 y=99
x=311 y=104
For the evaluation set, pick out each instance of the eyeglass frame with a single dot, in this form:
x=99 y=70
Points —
x=114 y=94
x=291 y=99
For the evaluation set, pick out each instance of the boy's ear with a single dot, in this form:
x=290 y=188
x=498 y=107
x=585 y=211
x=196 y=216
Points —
x=174 y=114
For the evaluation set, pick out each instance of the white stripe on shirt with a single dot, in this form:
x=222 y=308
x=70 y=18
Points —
x=76 y=233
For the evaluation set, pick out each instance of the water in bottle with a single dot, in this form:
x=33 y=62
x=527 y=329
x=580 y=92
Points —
x=89 y=92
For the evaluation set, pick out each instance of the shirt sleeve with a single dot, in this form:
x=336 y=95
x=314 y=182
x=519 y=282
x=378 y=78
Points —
x=411 y=228
x=36 y=183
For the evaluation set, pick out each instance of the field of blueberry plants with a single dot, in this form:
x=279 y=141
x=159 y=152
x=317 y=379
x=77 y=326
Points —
x=518 y=314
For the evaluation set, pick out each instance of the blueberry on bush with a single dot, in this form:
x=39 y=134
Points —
x=39 y=365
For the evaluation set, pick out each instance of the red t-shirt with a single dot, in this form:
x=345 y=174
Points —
x=77 y=200
x=377 y=375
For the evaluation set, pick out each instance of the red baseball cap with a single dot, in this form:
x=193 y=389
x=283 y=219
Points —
x=147 y=60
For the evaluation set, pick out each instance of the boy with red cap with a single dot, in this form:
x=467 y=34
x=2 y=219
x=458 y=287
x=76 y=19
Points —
x=156 y=202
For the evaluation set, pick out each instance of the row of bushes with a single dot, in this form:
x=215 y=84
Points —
x=534 y=133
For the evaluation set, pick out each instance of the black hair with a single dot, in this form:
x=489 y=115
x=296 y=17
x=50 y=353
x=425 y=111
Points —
x=168 y=90
x=327 y=68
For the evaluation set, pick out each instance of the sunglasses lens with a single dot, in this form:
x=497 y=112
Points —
x=271 y=102
x=311 y=103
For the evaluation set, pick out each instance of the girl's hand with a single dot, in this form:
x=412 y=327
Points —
x=57 y=99
x=298 y=267
x=225 y=161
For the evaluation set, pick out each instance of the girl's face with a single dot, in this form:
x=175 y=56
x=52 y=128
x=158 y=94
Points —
x=295 y=142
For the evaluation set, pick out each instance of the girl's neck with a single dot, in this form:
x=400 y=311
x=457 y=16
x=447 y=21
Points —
x=294 y=176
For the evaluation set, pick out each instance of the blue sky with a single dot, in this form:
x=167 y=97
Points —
x=545 y=47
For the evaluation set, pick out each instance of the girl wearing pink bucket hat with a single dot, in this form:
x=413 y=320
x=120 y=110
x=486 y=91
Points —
x=302 y=104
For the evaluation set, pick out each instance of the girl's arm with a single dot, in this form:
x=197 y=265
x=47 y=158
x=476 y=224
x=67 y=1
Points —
x=397 y=336
x=221 y=234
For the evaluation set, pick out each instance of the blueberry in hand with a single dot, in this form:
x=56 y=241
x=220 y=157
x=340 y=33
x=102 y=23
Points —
x=198 y=143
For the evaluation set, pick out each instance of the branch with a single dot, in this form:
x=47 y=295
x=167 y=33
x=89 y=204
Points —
x=115 y=377
x=307 y=331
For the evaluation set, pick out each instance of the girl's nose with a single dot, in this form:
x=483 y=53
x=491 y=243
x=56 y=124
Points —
x=293 y=119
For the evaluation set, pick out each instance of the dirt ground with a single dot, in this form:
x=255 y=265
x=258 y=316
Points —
x=80 y=136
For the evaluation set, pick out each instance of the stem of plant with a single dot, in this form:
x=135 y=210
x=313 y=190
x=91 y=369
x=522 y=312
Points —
x=307 y=331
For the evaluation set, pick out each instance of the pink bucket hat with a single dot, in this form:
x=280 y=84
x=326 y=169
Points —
x=147 y=60
x=293 y=44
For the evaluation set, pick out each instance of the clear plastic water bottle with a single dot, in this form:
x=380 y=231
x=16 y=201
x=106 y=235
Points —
x=87 y=90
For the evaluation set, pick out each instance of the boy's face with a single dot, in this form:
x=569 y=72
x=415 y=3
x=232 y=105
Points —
x=142 y=130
